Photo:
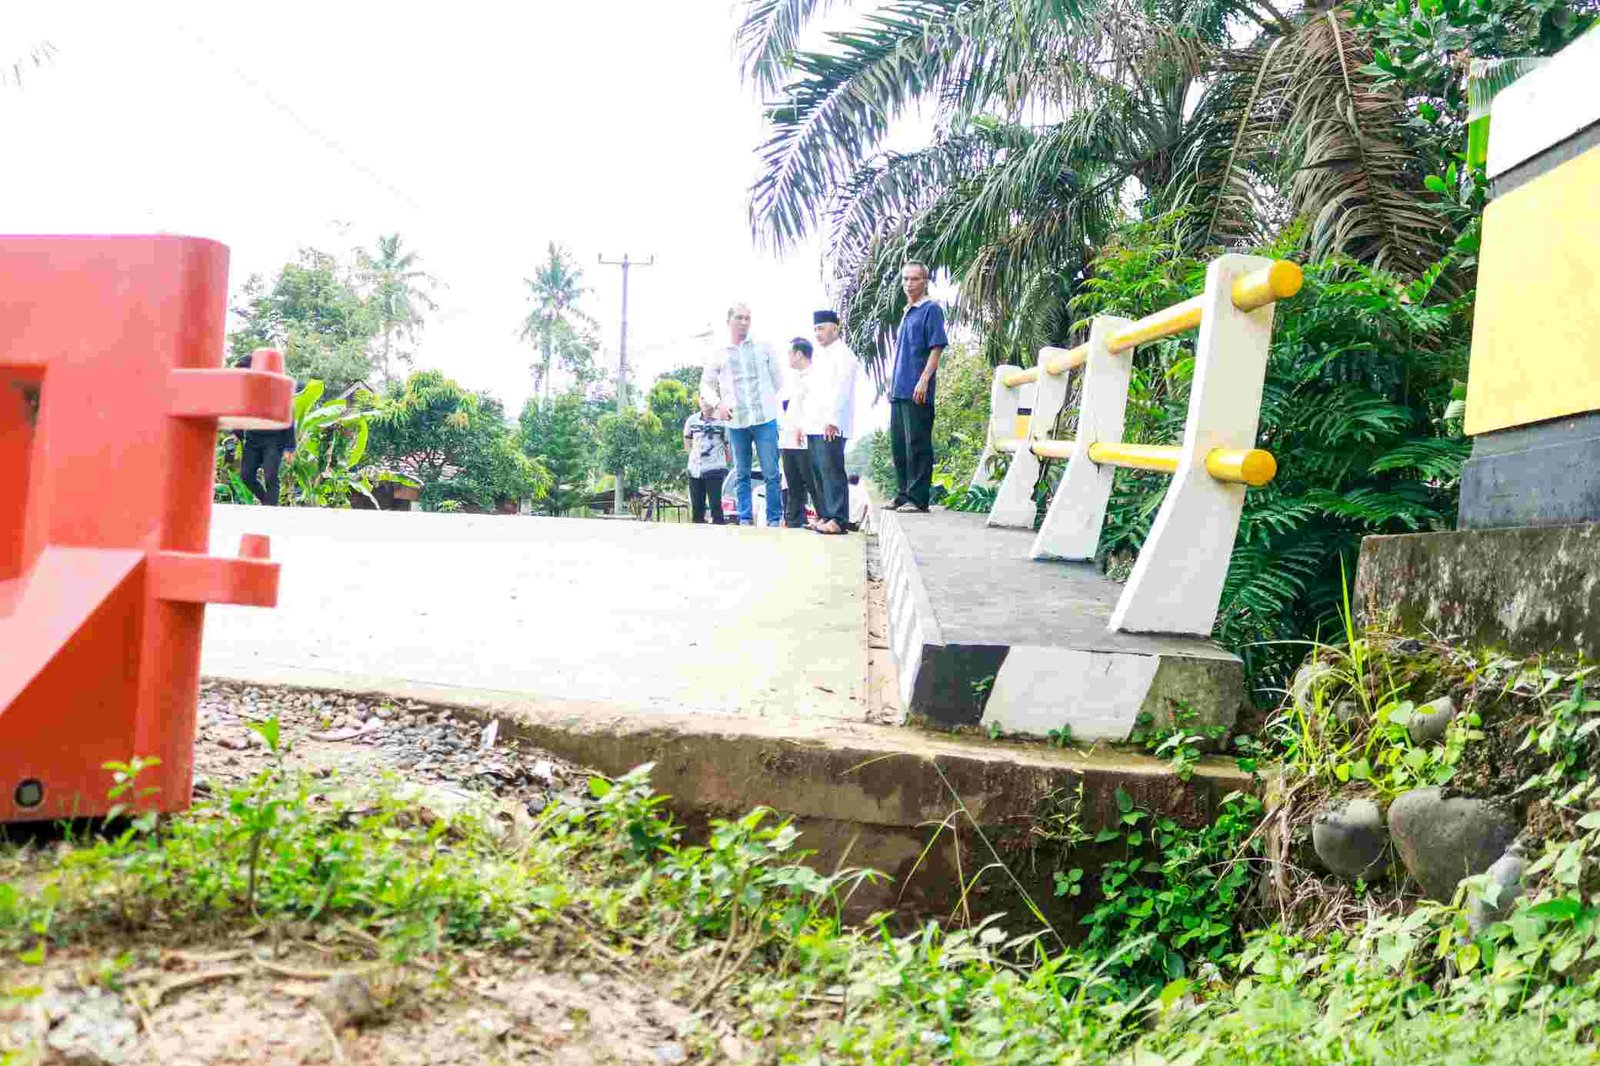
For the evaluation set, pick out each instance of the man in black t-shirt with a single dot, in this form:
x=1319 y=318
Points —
x=264 y=453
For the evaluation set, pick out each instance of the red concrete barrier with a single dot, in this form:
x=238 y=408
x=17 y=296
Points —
x=111 y=392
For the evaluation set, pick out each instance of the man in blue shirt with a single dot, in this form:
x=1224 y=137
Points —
x=920 y=342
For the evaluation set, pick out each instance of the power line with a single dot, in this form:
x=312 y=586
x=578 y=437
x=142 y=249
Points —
x=294 y=116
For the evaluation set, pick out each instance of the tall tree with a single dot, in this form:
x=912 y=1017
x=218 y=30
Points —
x=560 y=434
x=1054 y=118
x=555 y=324
x=399 y=292
x=312 y=311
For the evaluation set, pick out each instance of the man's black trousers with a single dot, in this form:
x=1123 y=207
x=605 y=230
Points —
x=802 y=484
x=705 y=494
x=911 y=435
x=832 y=484
x=261 y=458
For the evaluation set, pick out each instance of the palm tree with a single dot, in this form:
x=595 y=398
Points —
x=1054 y=116
x=553 y=320
x=399 y=293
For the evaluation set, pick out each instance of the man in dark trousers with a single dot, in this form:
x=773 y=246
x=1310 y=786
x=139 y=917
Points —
x=264 y=453
x=920 y=342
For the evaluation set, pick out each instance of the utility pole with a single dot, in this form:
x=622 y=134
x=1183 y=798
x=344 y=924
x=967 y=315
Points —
x=617 y=499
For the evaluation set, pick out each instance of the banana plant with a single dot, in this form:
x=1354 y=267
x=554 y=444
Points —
x=330 y=446
x=1485 y=79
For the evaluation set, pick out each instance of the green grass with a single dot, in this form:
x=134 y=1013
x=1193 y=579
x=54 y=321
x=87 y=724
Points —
x=736 y=924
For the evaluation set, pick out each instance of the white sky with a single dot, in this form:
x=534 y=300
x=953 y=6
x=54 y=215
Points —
x=478 y=130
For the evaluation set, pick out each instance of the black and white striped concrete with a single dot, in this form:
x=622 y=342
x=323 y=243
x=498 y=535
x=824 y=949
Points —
x=983 y=636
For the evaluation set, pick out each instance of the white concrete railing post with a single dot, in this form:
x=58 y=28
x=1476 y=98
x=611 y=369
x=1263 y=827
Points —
x=1071 y=528
x=1013 y=503
x=1177 y=580
x=1004 y=403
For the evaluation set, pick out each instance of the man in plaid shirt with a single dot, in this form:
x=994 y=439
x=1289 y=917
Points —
x=741 y=382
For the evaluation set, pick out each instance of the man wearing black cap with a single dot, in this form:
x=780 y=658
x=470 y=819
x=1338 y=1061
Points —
x=830 y=420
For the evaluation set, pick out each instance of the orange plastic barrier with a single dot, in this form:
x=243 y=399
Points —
x=111 y=392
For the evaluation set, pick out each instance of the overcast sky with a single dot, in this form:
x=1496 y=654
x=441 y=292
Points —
x=480 y=131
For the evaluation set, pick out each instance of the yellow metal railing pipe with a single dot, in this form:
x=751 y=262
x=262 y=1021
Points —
x=1165 y=323
x=1275 y=281
x=1052 y=361
x=1054 y=449
x=1007 y=447
x=1158 y=457
x=1242 y=466
x=1061 y=360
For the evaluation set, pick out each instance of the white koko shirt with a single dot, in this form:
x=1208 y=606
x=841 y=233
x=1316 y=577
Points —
x=830 y=395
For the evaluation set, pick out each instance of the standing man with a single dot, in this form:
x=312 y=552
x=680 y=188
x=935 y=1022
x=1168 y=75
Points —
x=917 y=349
x=264 y=453
x=741 y=381
x=707 y=444
x=830 y=412
x=799 y=482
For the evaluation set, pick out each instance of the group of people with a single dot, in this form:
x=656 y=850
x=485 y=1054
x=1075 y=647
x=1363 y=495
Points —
x=798 y=422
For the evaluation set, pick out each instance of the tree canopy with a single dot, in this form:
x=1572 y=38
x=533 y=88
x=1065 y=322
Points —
x=456 y=443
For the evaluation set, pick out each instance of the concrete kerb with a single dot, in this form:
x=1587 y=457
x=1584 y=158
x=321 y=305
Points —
x=863 y=795
x=985 y=637
x=912 y=623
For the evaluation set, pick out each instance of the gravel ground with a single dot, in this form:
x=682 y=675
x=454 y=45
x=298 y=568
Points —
x=247 y=1000
x=366 y=736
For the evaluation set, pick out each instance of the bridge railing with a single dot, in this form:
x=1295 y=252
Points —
x=1177 y=580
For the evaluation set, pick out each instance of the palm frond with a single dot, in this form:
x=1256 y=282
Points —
x=765 y=39
x=1356 y=182
x=838 y=107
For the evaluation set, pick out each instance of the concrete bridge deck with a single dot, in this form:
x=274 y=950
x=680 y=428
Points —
x=640 y=616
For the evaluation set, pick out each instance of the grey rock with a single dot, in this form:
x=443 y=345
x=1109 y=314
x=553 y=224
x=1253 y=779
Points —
x=1443 y=840
x=347 y=1000
x=1429 y=722
x=1346 y=711
x=671 y=1052
x=1505 y=879
x=1350 y=839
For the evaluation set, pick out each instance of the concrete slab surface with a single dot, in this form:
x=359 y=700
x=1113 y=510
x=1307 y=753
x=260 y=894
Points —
x=984 y=635
x=642 y=617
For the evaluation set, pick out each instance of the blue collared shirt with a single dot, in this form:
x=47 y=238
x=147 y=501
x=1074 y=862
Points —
x=921 y=330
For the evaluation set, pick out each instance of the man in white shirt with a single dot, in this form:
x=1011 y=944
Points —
x=798 y=483
x=741 y=382
x=829 y=419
